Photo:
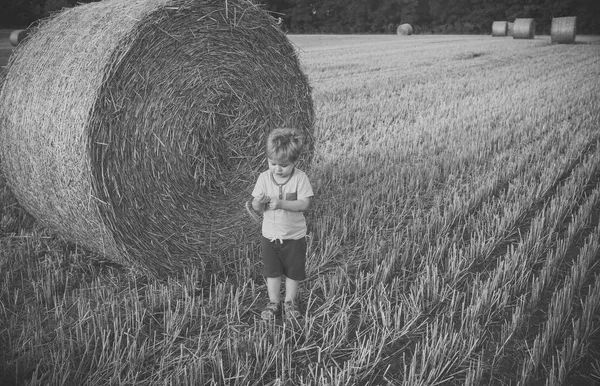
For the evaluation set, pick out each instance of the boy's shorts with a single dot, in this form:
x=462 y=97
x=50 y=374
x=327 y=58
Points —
x=287 y=257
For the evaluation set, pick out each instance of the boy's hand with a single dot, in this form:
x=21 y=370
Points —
x=292 y=206
x=275 y=203
x=263 y=198
x=259 y=202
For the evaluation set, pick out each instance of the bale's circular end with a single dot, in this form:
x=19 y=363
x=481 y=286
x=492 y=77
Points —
x=563 y=30
x=499 y=28
x=404 y=29
x=149 y=127
x=524 y=29
x=17 y=36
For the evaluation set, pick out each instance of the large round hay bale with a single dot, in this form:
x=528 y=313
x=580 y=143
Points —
x=13 y=219
x=563 y=29
x=404 y=29
x=136 y=127
x=17 y=36
x=510 y=29
x=499 y=28
x=524 y=29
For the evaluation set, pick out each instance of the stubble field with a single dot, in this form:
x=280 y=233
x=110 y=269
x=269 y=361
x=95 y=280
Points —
x=455 y=240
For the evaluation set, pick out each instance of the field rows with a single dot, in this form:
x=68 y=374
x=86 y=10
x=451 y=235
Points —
x=455 y=239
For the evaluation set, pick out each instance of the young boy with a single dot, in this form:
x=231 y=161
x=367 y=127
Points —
x=282 y=193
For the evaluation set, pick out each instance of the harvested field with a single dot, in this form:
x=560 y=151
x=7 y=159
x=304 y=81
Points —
x=454 y=240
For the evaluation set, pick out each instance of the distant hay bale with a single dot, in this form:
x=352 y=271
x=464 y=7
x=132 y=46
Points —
x=499 y=28
x=404 y=29
x=563 y=30
x=524 y=29
x=136 y=127
x=510 y=28
x=17 y=36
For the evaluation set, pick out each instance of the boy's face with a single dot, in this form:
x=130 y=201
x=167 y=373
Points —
x=279 y=168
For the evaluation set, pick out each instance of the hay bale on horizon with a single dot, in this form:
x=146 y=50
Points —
x=563 y=30
x=17 y=36
x=510 y=29
x=524 y=29
x=499 y=28
x=136 y=127
x=404 y=29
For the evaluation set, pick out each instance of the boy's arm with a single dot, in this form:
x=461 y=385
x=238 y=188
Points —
x=293 y=206
x=259 y=196
x=258 y=203
x=257 y=206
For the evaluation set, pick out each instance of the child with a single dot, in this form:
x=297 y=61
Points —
x=283 y=192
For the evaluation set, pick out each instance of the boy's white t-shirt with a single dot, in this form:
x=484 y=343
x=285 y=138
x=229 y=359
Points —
x=282 y=224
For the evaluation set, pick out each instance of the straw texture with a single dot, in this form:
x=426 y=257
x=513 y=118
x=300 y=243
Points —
x=13 y=219
x=524 y=29
x=510 y=29
x=499 y=28
x=404 y=29
x=136 y=127
x=563 y=30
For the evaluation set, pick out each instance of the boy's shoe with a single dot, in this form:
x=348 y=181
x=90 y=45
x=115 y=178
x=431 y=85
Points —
x=291 y=310
x=270 y=312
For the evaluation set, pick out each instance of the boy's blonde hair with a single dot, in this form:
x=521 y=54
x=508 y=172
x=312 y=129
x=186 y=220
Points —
x=284 y=144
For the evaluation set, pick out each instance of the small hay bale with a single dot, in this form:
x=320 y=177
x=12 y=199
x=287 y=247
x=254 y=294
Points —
x=524 y=29
x=499 y=28
x=404 y=29
x=17 y=36
x=136 y=127
x=563 y=30
x=510 y=28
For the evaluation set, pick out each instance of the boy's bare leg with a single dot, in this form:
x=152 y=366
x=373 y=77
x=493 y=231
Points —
x=291 y=289
x=290 y=307
x=274 y=289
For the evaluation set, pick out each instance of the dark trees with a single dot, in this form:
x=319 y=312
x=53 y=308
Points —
x=374 y=16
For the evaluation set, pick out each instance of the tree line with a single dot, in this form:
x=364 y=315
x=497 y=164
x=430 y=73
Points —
x=428 y=16
x=375 y=16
